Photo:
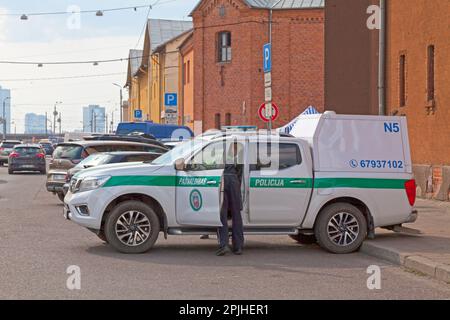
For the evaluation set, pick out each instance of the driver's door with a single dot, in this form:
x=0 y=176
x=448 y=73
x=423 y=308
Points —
x=198 y=188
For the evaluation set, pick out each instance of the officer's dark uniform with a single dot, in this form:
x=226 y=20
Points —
x=232 y=203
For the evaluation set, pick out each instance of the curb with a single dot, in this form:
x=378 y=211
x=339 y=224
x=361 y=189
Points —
x=417 y=263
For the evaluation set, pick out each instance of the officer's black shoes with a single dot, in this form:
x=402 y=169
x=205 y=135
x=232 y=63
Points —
x=237 y=252
x=222 y=251
x=204 y=237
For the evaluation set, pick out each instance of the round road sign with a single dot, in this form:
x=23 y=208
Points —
x=264 y=115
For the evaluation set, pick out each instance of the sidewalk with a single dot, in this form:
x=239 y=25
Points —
x=428 y=253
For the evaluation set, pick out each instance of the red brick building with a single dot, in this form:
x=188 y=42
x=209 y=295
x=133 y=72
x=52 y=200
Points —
x=228 y=67
x=415 y=83
x=418 y=86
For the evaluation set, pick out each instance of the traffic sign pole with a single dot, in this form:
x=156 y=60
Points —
x=267 y=57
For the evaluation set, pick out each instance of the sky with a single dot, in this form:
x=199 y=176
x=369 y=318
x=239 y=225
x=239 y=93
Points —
x=51 y=38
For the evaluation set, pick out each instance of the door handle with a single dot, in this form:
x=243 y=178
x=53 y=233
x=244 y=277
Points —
x=298 y=181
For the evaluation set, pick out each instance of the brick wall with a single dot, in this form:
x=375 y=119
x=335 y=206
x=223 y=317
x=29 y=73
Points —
x=238 y=87
x=412 y=26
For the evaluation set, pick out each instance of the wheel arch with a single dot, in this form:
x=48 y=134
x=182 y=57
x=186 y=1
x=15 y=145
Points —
x=150 y=201
x=358 y=203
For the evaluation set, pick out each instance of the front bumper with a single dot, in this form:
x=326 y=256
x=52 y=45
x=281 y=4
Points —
x=95 y=201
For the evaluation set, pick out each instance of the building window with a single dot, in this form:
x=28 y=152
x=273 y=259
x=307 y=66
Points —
x=224 y=46
x=430 y=74
x=217 y=120
x=184 y=73
x=402 y=82
x=228 y=119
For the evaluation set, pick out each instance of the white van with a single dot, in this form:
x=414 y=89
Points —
x=334 y=182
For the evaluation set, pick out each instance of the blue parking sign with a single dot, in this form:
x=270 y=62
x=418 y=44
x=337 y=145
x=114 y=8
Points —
x=267 y=55
x=138 y=114
x=171 y=99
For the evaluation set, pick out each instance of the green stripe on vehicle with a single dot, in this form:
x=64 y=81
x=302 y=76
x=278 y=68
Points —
x=197 y=182
x=278 y=183
x=162 y=181
x=157 y=181
x=300 y=183
x=361 y=183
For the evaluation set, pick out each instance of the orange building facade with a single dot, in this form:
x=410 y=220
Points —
x=418 y=86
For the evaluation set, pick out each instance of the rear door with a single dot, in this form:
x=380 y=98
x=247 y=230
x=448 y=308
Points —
x=198 y=195
x=280 y=184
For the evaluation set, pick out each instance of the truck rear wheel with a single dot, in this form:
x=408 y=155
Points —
x=304 y=238
x=341 y=228
x=132 y=227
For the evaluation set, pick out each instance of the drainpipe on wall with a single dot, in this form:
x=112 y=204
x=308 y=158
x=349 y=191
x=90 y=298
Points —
x=382 y=61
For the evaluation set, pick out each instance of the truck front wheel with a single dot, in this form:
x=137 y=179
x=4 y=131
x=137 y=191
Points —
x=132 y=227
x=341 y=228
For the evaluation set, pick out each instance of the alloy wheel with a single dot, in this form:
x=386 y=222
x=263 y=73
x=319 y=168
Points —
x=133 y=228
x=343 y=229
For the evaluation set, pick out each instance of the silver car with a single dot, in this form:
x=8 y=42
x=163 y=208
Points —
x=6 y=147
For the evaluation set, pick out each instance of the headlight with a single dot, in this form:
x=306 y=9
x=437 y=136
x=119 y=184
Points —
x=88 y=183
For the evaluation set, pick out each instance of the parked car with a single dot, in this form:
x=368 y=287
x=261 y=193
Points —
x=68 y=155
x=143 y=138
x=27 y=157
x=6 y=146
x=98 y=159
x=47 y=146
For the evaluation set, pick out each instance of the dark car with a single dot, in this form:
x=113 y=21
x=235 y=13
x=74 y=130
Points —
x=143 y=138
x=48 y=148
x=98 y=159
x=68 y=155
x=6 y=147
x=27 y=157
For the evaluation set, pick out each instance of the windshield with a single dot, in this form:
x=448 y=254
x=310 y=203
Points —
x=68 y=151
x=183 y=150
x=95 y=160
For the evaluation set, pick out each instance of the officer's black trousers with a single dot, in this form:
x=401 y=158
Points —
x=232 y=202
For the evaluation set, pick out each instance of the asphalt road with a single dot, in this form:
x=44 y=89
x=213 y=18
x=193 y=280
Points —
x=37 y=245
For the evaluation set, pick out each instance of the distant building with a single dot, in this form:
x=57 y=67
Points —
x=5 y=96
x=94 y=119
x=186 y=71
x=145 y=68
x=35 y=123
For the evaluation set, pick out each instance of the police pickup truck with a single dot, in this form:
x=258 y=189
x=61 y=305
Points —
x=337 y=180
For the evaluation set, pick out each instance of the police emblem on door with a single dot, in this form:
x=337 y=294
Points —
x=195 y=199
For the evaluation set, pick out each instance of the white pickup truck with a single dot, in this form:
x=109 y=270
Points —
x=335 y=182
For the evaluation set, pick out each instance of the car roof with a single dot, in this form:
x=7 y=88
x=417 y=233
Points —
x=127 y=153
x=28 y=145
x=85 y=143
x=10 y=141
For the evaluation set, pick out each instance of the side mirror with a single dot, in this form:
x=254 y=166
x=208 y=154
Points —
x=180 y=165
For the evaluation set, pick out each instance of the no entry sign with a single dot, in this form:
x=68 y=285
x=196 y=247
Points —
x=268 y=111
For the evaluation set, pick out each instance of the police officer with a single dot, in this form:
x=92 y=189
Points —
x=232 y=203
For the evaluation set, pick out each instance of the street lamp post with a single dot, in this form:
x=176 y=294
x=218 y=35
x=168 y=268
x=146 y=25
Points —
x=4 y=116
x=55 y=113
x=121 y=99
